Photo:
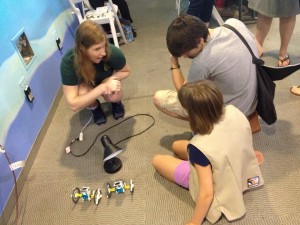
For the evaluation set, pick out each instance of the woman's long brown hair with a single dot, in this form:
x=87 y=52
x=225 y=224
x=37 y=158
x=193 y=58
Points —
x=87 y=34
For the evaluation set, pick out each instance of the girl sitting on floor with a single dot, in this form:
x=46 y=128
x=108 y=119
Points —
x=218 y=164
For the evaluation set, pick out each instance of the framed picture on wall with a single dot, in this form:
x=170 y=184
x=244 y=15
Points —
x=23 y=48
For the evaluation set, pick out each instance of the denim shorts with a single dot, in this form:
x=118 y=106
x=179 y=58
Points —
x=182 y=174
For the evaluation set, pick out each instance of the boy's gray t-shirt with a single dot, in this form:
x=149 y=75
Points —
x=227 y=62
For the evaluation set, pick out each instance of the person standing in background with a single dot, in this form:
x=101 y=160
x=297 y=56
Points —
x=201 y=9
x=286 y=11
x=122 y=6
x=296 y=89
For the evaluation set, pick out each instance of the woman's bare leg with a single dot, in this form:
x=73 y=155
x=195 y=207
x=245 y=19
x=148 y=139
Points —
x=115 y=97
x=262 y=28
x=83 y=89
x=286 y=28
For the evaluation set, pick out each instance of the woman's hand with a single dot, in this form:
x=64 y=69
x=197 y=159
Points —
x=112 y=85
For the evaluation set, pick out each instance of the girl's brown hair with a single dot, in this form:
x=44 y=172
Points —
x=87 y=34
x=204 y=104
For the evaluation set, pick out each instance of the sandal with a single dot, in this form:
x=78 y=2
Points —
x=294 y=92
x=282 y=61
x=262 y=54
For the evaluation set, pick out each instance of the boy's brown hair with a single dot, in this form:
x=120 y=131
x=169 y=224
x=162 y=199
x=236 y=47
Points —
x=184 y=34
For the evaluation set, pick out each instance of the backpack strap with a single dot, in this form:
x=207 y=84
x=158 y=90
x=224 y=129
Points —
x=255 y=60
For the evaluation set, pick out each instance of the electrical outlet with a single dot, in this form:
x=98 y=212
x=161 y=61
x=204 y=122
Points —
x=58 y=43
x=22 y=83
x=2 y=149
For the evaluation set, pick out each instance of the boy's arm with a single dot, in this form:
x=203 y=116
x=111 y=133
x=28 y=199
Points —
x=177 y=76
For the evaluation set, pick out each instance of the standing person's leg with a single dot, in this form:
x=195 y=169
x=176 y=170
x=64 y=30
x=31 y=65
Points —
x=96 y=3
x=173 y=169
x=206 y=11
x=262 y=28
x=125 y=13
x=195 y=7
x=124 y=10
x=220 y=3
x=286 y=28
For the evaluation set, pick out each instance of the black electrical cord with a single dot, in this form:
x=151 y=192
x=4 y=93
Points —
x=15 y=181
x=89 y=148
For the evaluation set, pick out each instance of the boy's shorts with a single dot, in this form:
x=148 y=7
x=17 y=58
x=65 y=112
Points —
x=168 y=101
x=182 y=174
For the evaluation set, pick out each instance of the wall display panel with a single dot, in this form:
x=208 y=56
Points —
x=23 y=48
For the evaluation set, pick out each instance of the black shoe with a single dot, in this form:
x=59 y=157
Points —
x=99 y=117
x=117 y=110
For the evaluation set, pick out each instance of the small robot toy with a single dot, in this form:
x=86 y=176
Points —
x=86 y=194
x=119 y=187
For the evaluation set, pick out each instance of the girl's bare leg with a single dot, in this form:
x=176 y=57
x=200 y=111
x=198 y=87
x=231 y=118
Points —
x=166 y=165
x=180 y=149
x=259 y=157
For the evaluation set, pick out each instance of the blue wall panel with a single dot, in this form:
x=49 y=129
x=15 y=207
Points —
x=20 y=120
